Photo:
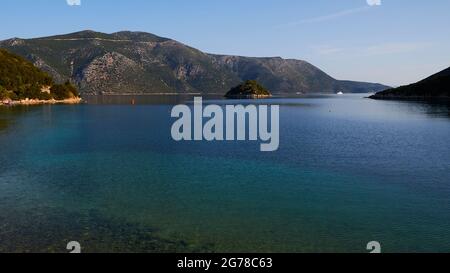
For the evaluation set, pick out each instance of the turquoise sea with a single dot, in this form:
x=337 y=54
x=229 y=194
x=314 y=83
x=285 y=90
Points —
x=107 y=174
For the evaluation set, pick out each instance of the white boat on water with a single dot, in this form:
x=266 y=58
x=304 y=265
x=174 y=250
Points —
x=340 y=93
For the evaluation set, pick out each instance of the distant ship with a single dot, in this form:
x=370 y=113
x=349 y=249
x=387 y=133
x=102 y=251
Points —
x=340 y=93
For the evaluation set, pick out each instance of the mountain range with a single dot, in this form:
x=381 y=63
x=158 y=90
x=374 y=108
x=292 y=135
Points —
x=434 y=87
x=143 y=63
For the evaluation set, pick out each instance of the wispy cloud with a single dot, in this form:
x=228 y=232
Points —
x=329 y=17
x=324 y=18
x=390 y=48
x=73 y=2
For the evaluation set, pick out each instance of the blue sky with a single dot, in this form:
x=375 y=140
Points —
x=397 y=42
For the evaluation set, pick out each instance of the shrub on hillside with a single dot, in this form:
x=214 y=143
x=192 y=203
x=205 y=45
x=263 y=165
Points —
x=64 y=91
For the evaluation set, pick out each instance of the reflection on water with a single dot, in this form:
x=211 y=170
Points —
x=431 y=108
x=107 y=173
x=3 y=124
x=9 y=113
x=142 y=99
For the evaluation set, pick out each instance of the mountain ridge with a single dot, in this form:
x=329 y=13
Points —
x=142 y=63
x=434 y=87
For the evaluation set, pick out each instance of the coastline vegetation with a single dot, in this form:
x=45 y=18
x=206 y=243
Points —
x=21 y=80
x=249 y=89
x=435 y=87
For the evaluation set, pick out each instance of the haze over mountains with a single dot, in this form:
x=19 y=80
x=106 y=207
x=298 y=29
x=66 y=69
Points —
x=141 y=63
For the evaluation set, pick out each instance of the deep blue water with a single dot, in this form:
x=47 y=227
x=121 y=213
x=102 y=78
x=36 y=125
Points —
x=108 y=174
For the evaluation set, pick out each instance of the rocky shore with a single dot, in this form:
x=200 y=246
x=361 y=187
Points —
x=251 y=96
x=40 y=102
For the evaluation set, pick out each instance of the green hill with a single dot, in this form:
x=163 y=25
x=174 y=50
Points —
x=20 y=79
x=434 y=87
x=249 y=89
x=143 y=63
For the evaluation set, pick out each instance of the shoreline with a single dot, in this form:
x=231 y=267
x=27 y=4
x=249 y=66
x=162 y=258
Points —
x=40 y=102
x=409 y=98
x=248 y=96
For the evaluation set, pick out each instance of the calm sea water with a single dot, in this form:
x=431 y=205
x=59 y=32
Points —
x=107 y=174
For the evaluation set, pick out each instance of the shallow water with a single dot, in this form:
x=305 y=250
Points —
x=349 y=170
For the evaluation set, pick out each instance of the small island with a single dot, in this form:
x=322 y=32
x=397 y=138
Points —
x=248 y=90
x=21 y=83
